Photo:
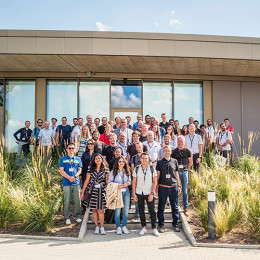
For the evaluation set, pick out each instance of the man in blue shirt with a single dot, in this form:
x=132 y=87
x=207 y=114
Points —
x=139 y=118
x=70 y=169
x=23 y=142
x=63 y=133
x=36 y=131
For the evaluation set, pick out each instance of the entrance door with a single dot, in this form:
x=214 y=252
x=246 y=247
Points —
x=123 y=112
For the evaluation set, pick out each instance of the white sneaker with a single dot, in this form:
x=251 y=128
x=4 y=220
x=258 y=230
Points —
x=102 y=231
x=119 y=231
x=156 y=233
x=125 y=230
x=68 y=222
x=78 y=220
x=96 y=232
x=143 y=231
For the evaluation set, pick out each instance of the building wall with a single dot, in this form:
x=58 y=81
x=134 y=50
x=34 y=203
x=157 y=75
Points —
x=238 y=101
x=251 y=108
x=227 y=104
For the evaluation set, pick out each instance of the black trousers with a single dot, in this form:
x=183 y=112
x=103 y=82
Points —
x=151 y=207
x=196 y=166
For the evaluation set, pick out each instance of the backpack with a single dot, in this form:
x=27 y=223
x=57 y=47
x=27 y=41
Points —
x=137 y=168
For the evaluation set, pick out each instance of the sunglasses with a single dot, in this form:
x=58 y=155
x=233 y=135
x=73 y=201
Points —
x=71 y=148
x=39 y=122
x=90 y=144
x=121 y=161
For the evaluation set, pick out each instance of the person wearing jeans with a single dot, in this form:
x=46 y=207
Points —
x=169 y=186
x=144 y=185
x=121 y=174
x=183 y=156
x=23 y=142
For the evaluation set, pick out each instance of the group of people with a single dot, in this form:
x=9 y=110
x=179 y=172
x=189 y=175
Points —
x=142 y=160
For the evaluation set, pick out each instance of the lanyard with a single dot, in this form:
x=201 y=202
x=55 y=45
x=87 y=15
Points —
x=191 y=140
x=181 y=154
x=71 y=160
x=122 y=176
x=149 y=144
x=221 y=134
x=144 y=172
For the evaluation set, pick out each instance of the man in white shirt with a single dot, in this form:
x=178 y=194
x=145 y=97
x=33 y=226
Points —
x=76 y=131
x=194 y=143
x=54 y=126
x=167 y=140
x=123 y=129
x=223 y=140
x=144 y=184
x=210 y=130
x=153 y=147
x=46 y=141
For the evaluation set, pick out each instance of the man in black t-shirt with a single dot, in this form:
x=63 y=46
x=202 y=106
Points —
x=101 y=128
x=164 y=122
x=168 y=186
x=108 y=152
x=183 y=156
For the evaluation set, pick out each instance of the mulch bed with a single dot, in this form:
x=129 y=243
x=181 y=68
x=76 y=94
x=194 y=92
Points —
x=60 y=229
x=238 y=235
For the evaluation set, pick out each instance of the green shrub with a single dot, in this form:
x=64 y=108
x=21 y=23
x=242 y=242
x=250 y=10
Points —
x=247 y=163
x=202 y=210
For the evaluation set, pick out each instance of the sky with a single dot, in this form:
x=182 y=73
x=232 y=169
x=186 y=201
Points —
x=233 y=17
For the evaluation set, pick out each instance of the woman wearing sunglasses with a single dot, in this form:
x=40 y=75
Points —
x=121 y=174
x=96 y=181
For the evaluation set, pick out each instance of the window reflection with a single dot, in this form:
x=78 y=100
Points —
x=1 y=107
x=188 y=101
x=157 y=99
x=19 y=107
x=126 y=94
x=62 y=100
x=93 y=99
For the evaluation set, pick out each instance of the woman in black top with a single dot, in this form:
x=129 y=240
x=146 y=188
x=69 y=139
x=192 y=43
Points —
x=118 y=151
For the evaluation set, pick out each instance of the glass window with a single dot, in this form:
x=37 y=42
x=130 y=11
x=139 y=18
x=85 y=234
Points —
x=188 y=101
x=126 y=94
x=19 y=107
x=62 y=100
x=93 y=99
x=157 y=99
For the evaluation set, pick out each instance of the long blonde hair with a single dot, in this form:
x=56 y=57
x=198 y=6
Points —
x=82 y=134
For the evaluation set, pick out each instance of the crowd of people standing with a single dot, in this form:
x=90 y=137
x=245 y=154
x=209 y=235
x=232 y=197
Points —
x=138 y=160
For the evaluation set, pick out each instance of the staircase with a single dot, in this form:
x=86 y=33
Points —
x=133 y=223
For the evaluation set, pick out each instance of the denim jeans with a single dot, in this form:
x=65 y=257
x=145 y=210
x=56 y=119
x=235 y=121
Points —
x=172 y=193
x=126 y=200
x=184 y=176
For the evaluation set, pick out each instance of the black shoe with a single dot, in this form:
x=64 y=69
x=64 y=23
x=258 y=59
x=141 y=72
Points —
x=160 y=230
x=176 y=228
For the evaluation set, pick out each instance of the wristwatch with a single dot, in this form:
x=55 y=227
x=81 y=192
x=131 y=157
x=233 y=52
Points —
x=152 y=192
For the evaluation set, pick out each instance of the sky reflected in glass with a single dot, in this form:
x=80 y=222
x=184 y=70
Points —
x=188 y=101
x=19 y=107
x=126 y=96
x=62 y=100
x=157 y=99
x=94 y=99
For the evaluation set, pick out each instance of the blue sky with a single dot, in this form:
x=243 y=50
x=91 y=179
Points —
x=240 y=18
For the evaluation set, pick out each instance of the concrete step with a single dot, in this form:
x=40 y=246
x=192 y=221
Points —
x=131 y=225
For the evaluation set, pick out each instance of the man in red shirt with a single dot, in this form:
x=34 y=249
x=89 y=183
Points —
x=229 y=127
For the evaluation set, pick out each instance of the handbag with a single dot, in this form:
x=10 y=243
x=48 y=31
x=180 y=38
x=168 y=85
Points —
x=87 y=194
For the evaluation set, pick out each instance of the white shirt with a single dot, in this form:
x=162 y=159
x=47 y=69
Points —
x=152 y=149
x=211 y=133
x=53 y=128
x=193 y=142
x=76 y=131
x=223 y=137
x=123 y=146
x=46 y=136
x=144 y=179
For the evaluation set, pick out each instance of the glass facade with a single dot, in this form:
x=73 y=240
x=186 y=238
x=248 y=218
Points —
x=1 y=107
x=188 y=101
x=19 y=107
x=94 y=99
x=62 y=100
x=128 y=94
x=157 y=99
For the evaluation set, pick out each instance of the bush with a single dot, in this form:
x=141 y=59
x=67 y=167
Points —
x=202 y=210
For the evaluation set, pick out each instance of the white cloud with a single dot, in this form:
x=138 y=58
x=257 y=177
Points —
x=175 y=22
x=156 y=24
x=102 y=27
x=173 y=12
x=15 y=90
x=119 y=99
x=181 y=94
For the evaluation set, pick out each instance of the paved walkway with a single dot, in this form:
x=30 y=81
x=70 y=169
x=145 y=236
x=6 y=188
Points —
x=169 y=245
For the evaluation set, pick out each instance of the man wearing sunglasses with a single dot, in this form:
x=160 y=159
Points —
x=70 y=169
x=36 y=131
